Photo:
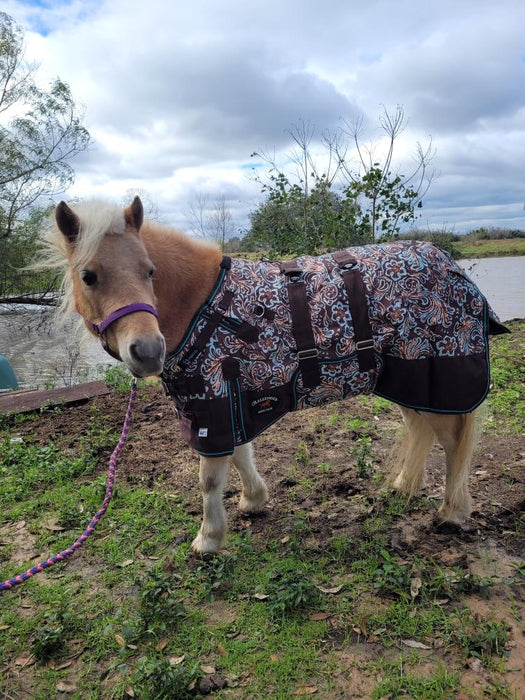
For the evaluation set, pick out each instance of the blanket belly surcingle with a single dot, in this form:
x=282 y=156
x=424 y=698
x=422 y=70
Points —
x=237 y=369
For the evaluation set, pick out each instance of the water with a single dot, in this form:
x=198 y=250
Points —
x=42 y=356
x=502 y=281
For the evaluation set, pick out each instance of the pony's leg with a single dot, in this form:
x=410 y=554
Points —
x=212 y=478
x=254 y=491
x=457 y=434
x=408 y=472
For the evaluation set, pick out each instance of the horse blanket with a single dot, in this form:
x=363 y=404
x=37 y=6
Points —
x=401 y=320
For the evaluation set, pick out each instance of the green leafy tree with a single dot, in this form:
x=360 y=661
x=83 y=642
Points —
x=41 y=132
x=347 y=201
x=385 y=200
x=383 y=203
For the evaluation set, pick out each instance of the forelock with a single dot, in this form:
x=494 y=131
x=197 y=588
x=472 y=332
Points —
x=97 y=218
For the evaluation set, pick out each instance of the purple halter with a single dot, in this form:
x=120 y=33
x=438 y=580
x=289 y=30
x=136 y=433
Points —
x=123 y=311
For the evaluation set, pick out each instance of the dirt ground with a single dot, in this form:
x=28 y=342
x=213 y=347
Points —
x=288 y=456
x=309 y=462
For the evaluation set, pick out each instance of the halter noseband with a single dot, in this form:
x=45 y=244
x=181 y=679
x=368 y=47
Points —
x=123 y=311
x=101 y=327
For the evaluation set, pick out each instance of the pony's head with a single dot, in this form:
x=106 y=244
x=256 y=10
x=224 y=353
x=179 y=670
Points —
x=110 y=280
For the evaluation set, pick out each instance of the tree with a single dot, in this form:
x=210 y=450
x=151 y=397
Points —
x=40 y=132
x=151 y=209
x=328 y=202
x=214 y=222
x=384 y=199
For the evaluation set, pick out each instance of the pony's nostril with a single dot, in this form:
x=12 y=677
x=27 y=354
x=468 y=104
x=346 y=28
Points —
x=147 y=352
x=135 y=352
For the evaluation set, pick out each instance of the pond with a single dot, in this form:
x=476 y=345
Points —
x=43 y=356
x=502 y=281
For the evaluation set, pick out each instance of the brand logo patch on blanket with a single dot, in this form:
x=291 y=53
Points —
x=265 y=404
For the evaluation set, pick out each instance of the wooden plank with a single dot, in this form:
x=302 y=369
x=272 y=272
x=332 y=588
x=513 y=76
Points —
x=24 y=401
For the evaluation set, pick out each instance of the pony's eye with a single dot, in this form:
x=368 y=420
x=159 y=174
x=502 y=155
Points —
x=151 y=273
x=88 y=277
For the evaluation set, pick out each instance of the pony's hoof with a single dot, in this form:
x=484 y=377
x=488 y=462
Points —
x=255 y=504
x=206 y=545
x=444 y=527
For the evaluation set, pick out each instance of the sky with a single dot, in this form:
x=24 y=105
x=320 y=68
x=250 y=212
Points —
x=177 y=96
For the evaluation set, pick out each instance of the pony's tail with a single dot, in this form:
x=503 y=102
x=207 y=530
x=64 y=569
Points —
x=409 y=453
x=457 y=504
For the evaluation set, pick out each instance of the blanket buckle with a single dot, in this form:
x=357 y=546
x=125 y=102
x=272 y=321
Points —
x=365 y=344
x=307 y=354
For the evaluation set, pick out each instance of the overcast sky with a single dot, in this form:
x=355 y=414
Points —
x=178 y=95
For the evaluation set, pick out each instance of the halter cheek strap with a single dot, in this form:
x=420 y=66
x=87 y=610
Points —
x=123 y=311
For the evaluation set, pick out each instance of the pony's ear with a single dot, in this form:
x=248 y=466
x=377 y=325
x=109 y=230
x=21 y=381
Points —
x=134 y=214
x=67 y=222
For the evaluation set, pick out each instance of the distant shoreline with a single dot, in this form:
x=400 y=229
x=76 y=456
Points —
x=490 y=248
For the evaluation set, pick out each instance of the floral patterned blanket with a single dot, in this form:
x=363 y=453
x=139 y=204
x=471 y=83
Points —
x=236 y=371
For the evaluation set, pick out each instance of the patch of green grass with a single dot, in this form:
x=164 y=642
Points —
x=362 y=452
x=138 y=608
x=155 y=678
x=118 y=378
x=479 y=637
x=50 y=637
x=398 y=683
x=302 y=455
x=508 y=381
x=481 y=248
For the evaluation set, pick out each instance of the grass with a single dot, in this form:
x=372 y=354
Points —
x=135 y=616
x=508 y=379
x=481 y=248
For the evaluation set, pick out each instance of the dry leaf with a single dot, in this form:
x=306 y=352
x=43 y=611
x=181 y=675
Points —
x=476 y=665
x=4 y=627
x=305 y=690
x=54 y=666
x=415 y=587
x=222 y=650
x=25 y=659
x=414 y=644
x=52 y=525
x=275 y=659
x=320 y=616
x=65 y=686
x=176 y=660
x=208 y=669
x=120 y=640
x=285 y=539
x=332 y=591
x=125 y=563
x=362 y=625
x=260 y=596
x=162 y=644
x=130 y=692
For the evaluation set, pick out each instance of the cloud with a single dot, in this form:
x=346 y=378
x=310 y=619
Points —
x=177 y=95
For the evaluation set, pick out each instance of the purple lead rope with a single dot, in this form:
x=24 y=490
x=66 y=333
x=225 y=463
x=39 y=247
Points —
x=110 y=483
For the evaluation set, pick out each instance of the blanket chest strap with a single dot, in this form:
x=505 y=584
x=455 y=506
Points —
x=353 y=281
x=307 y=353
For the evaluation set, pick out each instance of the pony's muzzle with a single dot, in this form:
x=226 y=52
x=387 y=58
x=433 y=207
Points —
x=145 y=356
